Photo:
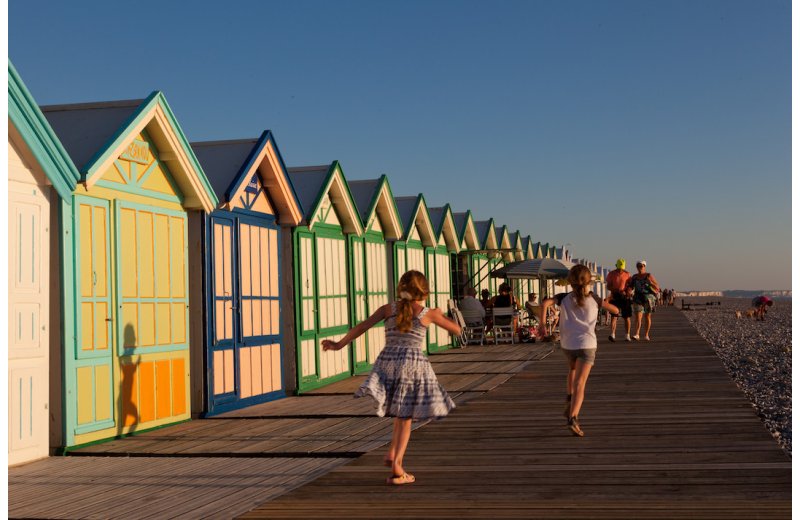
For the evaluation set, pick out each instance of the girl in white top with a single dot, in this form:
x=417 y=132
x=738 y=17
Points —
x=579 y=310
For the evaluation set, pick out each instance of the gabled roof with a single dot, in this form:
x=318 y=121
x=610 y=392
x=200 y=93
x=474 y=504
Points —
x=443 y=223
x=39 y=137
x=537 y=250
x=467 y=234
x=313 y=183
x=486 y=233
x=96 y=134
x=414 y=212
x=229 y=166
x=504 y=241
x=546 y=250
x=560 y=253
x=516 y=243
x=373 y=199
x=527 y=246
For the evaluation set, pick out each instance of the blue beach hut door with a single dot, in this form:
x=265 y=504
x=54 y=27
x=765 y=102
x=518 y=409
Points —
x=244 y=357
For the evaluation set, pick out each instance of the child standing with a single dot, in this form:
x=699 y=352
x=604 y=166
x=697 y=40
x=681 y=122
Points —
x=402 y=380
x=579 y=309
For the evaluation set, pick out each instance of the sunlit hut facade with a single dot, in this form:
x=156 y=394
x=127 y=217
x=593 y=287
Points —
x=246 y=255
x=322 y=283
x=419 y=237
x=530 y=285
x=505 y=254
x=444 y=258
x=519 y=286
x=468 y=245
x=481 y=266
x=137 y=276
x=370 y=262
x=41 y=179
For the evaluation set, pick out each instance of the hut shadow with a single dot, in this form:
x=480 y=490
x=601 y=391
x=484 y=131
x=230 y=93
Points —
x=126 y=400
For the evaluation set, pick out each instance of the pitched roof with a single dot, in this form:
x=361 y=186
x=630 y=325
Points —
x=313 y=183
x=308 y=181
x=222 y=161
x=410 y=208
x=39 y=137
x=374 y=197
x=364 y=192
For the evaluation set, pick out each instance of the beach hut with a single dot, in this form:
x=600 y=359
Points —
x=137 y=274
x=481 y=260
x=371 y=263
x=41 y=178
x=419 y=237
x=468 y=244
x=447 y=248
x=321 y=277
x=245 y=236
x=536 y=247
x=504 y=256
x=519 y=286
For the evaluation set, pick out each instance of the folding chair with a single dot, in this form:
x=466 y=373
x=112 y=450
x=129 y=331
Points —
x=472 y=331
x=503 y=329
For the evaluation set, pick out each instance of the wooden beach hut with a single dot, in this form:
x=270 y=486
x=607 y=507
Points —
x=245 y=236
x=481 y=266
x=136 y=227
x=416 y=248
x=444 y=258
x=323 y=297
x=372 y=280
x=468 y=245
x=41 y=178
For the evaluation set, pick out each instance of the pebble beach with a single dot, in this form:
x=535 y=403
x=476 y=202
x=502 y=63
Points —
x=756 y=354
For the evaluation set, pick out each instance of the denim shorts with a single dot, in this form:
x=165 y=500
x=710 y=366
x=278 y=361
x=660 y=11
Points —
x=586 y=355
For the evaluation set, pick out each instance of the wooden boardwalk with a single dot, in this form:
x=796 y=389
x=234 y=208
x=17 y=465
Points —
x=668 y=435
x=227 y=465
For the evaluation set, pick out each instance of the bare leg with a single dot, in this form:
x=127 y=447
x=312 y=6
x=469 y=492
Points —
x=613 y=325
x=581 y=374
x=390 y=455
x=402 y=431
x=627 y=326
x=647 y=322
x=570 y=374
x=638 y=323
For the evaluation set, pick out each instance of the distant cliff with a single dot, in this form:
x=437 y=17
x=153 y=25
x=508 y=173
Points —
x=738 y=293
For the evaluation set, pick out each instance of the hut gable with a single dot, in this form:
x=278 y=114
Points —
x=467 y=234
x=416 y=220
x=376 y=206
x=325 y=197
x=98 y=135
x=250 y=174
x=486 y=234
x=445 y=227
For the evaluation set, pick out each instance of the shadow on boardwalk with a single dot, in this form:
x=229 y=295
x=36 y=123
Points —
x=668 y=435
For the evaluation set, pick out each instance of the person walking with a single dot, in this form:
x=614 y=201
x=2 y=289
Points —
x=645 y=287
x=579 y=309
x=402 y=380
x=616 y=283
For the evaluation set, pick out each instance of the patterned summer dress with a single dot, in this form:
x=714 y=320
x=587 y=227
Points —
x=402 y=380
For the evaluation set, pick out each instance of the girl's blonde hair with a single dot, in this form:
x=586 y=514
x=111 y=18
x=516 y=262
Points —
x=579 y=277
x=413 y=287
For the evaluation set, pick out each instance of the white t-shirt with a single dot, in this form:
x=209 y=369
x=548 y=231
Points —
x=577 y=323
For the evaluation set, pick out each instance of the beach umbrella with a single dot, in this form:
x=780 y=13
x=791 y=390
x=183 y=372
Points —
x=541 y=268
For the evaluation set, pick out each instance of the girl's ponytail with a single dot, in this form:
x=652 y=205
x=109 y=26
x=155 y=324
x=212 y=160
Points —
x=579 y=277
x=413 y=287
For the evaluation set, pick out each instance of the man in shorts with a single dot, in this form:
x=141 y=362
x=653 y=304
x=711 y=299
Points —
x=616 y=282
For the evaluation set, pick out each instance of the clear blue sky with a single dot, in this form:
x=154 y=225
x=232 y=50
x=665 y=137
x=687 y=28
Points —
x=655 y=129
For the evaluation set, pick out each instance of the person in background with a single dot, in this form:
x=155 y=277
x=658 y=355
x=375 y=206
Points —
x=760 y=303
x=486 y=300
x=616 y=283
x=579 y=310
x=645 y=287
x=471 y=308
x=402 y=380
x=506 y=299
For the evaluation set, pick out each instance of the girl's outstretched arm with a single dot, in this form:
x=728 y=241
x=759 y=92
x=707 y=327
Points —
x=357 y=331
x=610 y=307
x=437 y=318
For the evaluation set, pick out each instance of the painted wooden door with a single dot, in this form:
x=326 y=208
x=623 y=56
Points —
x=258 y=340
x=94 y=353
x=221 y=352
x=244 y=353
x=28 y=315
x=439 y=295
x=377 y=292
x=358 y=301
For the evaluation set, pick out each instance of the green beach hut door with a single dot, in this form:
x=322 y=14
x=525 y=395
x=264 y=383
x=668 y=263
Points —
x=93 y=373
x=359 y=301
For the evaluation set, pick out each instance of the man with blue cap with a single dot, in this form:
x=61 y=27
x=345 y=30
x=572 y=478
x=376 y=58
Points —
x=616 y=282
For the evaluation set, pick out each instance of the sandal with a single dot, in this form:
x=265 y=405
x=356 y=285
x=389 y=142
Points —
x=405 y=478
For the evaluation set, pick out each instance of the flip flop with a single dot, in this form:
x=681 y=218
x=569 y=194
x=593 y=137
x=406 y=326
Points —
x=405 y=478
